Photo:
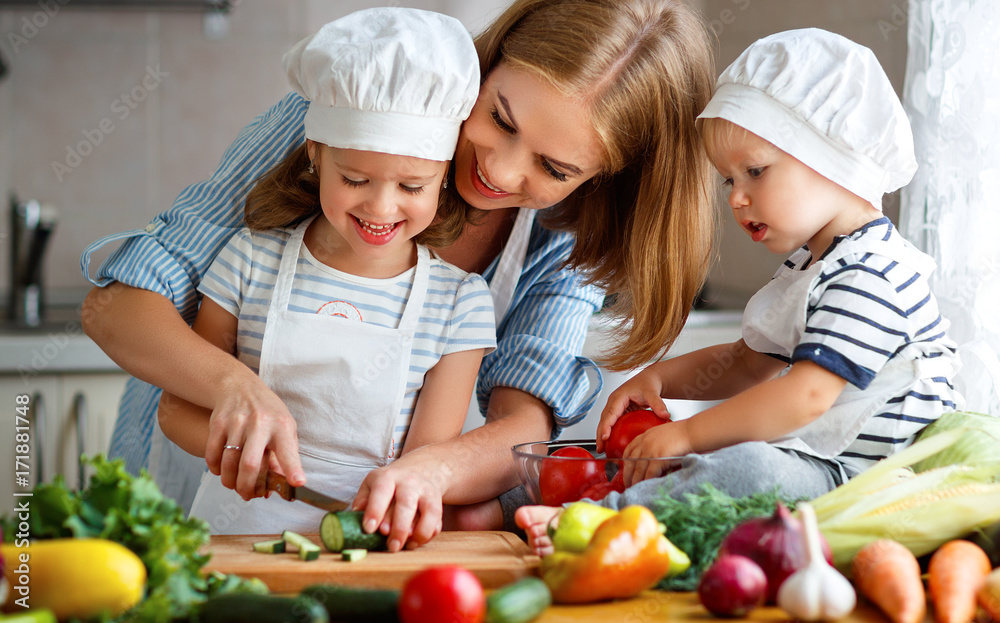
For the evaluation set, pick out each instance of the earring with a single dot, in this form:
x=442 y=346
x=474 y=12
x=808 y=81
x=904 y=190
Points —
x=445 y=185
x=311 y=169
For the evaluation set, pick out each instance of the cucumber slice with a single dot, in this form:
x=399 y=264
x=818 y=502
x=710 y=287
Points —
x=520 y=602
x=342 y=530
x=307 y=549
x=276 y=546
x=352 y=555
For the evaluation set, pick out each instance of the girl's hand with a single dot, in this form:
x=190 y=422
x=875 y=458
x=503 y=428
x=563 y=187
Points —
x=666 y=440
x=251 y=416
x=403 y=500
x=639 y=392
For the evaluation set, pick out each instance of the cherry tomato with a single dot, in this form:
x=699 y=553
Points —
x=628 y=427
x=602 y=489
x=448 y=593
x=560 y=482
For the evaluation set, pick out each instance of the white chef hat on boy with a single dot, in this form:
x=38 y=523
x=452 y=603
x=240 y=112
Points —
x=391 y=80
x=826 y=101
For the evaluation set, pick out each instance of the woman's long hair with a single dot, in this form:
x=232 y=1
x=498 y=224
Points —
x=645 y=228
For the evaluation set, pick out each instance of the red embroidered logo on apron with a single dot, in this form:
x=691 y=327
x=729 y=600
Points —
x=342 y=309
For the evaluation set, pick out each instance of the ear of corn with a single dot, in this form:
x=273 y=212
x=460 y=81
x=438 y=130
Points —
x=919 y=510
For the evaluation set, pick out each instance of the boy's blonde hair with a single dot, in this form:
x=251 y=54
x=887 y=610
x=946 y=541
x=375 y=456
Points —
x=645 y=227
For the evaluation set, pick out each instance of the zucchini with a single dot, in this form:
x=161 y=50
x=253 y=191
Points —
x=520 y=602
x=342 y=530
x=242 y=607
x=345 y=603
x=354 y=555
x=276 y=546
x=307 y=549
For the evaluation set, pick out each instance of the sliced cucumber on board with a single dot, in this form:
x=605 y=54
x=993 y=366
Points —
x=307 y=549
x=275 y=546
x=342 y=530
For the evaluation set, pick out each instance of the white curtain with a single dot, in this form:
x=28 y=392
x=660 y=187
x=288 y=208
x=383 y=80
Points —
x=951 y=209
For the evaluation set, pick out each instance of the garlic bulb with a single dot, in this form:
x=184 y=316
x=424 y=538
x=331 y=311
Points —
x=817 y=591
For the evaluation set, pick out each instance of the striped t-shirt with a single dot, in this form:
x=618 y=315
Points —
x=457 y=313
x=864 y=310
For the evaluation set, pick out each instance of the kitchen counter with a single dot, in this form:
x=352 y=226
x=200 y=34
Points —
x=57 y=346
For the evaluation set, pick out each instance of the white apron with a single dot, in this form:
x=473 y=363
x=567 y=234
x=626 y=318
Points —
x=344 y=382
x=774 y=321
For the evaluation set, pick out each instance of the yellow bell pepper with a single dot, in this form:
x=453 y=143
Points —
x=627 y=555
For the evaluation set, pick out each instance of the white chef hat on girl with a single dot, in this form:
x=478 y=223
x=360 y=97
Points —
x=826 y=101
x=391 y=80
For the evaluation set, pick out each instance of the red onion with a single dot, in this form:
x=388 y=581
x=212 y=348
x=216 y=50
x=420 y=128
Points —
x=732 y=587
x=775 y=543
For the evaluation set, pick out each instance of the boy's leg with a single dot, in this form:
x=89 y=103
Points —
x=739 y=471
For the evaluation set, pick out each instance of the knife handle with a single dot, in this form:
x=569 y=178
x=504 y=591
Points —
x=271 y=481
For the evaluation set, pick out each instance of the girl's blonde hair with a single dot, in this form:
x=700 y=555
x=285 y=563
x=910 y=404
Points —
x=645 y=227
x=288 y=193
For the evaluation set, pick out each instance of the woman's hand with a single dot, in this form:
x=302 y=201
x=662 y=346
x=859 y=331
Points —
x=642 y=391
x=403 y=500
x=251 y=416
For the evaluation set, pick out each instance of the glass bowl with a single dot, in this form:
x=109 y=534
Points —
x=556 y=480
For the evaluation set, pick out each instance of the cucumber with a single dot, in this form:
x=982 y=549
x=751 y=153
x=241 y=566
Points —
x=354 y=555
x=342 y=530
x=520 y=602
x=276 y=546
x=345 y=603
x=242 y=607
x=307 y=549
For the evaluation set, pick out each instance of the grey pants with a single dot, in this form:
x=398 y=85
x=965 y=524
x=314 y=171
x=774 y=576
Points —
x=739 y=471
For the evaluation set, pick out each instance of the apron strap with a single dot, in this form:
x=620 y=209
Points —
x=511 y=263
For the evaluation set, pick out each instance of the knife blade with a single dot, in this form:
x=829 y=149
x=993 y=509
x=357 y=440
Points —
x=278 y=484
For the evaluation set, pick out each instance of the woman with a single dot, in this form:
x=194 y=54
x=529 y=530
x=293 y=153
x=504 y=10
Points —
x=598 y=131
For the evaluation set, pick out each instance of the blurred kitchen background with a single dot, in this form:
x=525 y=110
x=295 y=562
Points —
x=109 y=109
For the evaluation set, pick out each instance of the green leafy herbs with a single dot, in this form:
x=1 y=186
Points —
x=699 y=523
x=131 y=510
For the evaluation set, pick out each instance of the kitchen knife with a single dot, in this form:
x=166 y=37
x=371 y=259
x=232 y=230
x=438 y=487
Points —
x=278 y=484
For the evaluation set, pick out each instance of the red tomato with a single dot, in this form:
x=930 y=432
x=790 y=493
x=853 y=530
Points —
x=602 y=489
x=560 y=482
x=436 y=594
x=628 y=427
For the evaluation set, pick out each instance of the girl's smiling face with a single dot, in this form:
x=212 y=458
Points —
x=373 y=205
x=776 y=199
x=526 y=144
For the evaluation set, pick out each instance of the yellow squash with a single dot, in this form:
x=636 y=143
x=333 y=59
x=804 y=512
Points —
x=74 y=577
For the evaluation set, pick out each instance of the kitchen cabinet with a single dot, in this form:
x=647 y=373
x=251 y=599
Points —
x=70 y=413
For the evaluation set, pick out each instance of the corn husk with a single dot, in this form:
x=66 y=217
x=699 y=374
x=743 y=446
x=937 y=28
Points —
x=919 y=510
x=969 y=449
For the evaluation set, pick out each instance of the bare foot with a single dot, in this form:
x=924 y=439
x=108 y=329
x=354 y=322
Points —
x=535 y=520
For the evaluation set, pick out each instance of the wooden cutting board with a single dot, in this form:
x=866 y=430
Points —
x=496 y=558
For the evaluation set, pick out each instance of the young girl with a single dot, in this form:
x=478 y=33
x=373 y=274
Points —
x=371 y=341
x=844 y=356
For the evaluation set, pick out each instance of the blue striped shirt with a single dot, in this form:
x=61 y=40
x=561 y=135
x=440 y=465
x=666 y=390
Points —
x=457 y=313
x=864 y=310
x=539 y=341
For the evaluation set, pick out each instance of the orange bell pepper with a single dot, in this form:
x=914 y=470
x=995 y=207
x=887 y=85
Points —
x=627 y=555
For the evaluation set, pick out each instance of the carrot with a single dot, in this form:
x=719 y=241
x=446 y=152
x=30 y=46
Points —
x=954 y=574
x=888 y=574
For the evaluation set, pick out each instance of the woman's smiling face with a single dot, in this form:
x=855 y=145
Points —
x=526 y=144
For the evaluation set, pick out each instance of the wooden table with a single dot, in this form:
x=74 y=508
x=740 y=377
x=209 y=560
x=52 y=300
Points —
x=496 y=558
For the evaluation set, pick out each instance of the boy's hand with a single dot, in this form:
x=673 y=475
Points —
x=639 y=392
x=666 y=440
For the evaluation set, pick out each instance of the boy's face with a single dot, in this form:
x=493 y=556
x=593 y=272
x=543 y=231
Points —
x=777 y=200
